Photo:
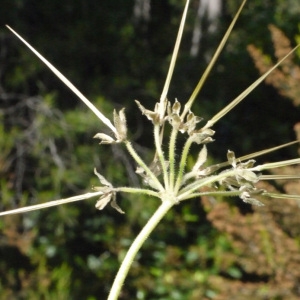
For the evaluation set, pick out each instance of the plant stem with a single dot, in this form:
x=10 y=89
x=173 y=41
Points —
x=131 y=190
x=174 y=55
x=135 y=246
x=172 y=147
x=141 y=163
x=187 y=190
x=160 y=155
x=182 y=164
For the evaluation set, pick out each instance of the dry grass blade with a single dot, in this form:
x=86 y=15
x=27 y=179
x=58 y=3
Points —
x=91 y=106
x=279 y=177
x=174 y=55
x=51 y=203
x=278 y=164
x=262 y=152
x=212 y=62
x=282 y=196
x=255 y=154
x=245 y=93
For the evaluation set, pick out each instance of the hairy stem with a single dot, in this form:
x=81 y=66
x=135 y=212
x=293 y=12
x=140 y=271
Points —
x=182 y=164
x=207 y=181
x=135 y=246
x=131 y=190
x=141 y=163
x=172 y=150
x=214 y=194
x=160 y=155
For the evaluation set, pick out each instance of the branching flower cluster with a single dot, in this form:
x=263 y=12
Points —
x=232 y=178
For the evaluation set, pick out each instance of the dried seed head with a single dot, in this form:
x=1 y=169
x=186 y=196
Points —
x=202 y=157
x=202 y=136
x=151 y=115
x=102 y=179
x=176 y=107
x=121 y=125
x=246 y=197
x=231 y=158
x=175 y=121
x=103 y=201
x=121 y=130
x=109 y=195
x=105 y=139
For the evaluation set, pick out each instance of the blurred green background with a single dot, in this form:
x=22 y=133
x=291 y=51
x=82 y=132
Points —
x=116 y=52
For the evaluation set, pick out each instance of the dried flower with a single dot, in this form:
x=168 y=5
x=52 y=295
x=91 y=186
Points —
x=106 y=139
x=120 y=124
x=121 y=130
x=109 y=195
x=151 y=115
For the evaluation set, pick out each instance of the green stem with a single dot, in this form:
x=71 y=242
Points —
x=172 y=147
x=137 y=191
x=161 y=155
x=141 y=163
x=183 y=160
x=188 y=190
x=214 y=194
x=135 y=246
